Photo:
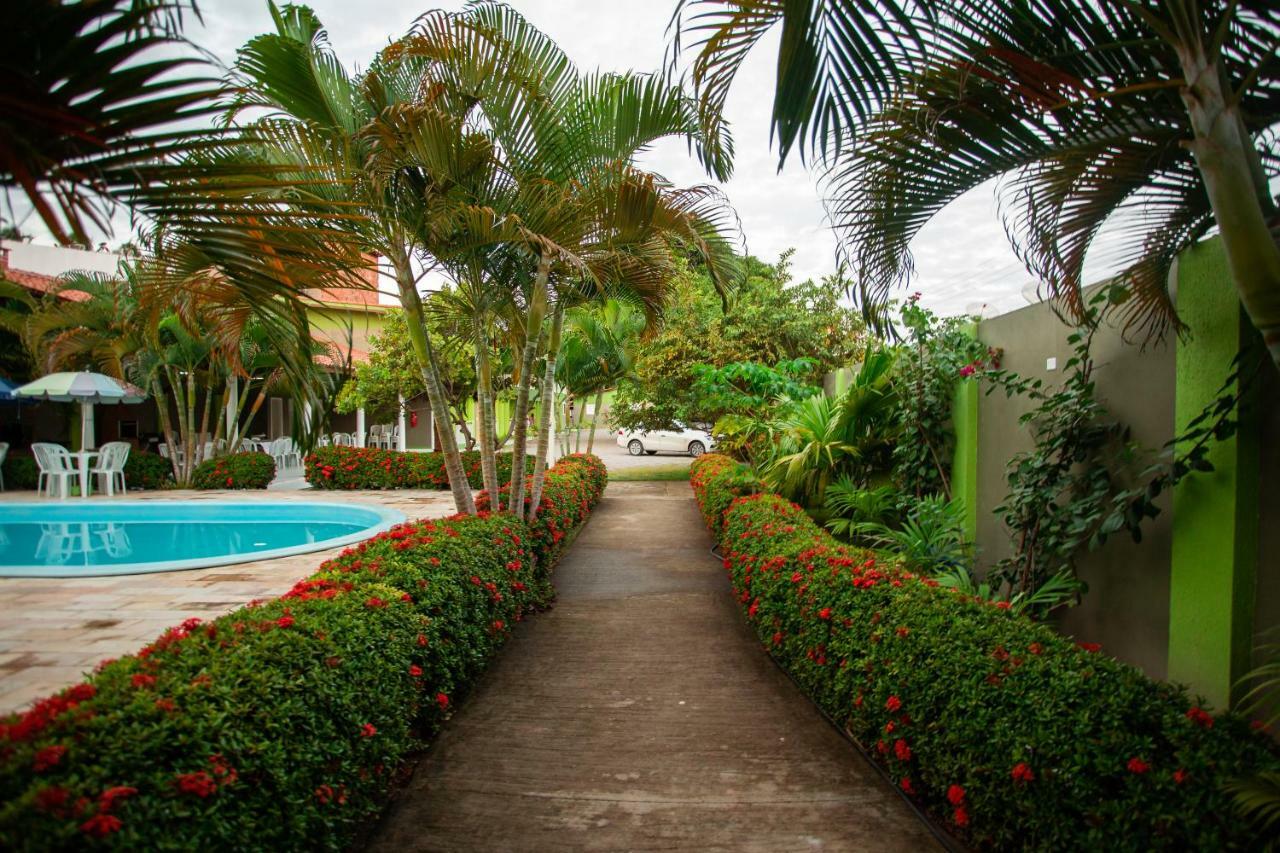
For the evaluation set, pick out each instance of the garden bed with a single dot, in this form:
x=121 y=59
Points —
x=371 y=468
x=1010 y=734
x=281 y=725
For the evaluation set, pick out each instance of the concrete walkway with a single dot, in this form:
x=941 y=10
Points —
x=641 y=714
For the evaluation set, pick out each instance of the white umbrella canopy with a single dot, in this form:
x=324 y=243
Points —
x=83 y=387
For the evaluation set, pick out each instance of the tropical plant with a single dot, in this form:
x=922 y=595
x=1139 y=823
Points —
x=1155 y=116
x=821 y=438
x=930 y=539
x=598 y=352
x=855 y=512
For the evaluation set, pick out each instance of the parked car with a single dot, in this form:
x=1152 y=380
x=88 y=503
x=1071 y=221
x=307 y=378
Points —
x=694 y=442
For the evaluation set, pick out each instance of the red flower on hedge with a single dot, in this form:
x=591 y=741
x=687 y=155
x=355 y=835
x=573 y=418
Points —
x=198 y=784
x=1200 y=717
x=905 y=785
x=1090 y=647
x=368 y=730
x=824 y=613
x=415 y=670
x=442 y=699
x=107 y=799
x=101 y=825
x=955 y=795
x=892 y=704
x=48 y=757
x=1022 y=773
x=1137 y=766
x=1035 y=648
x=143 y=680
x=375 y=602
x=422 y=640
x=1180 y=775
x=960 y=816
x=285 y=621
x=902 y=750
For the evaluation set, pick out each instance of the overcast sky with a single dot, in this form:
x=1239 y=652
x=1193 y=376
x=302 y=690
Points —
x=963 y=259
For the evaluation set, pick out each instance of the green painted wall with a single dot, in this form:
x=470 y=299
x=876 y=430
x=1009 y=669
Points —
x=1215 y=539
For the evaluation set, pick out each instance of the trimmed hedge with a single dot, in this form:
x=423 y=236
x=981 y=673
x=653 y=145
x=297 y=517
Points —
x=371 y=468
x=1015 y=736
x=252 y=470
x=142 y=470
x=280 y=725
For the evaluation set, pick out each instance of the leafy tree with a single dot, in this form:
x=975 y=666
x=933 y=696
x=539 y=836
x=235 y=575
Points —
x=769 y=321
x=393 y=370
x=598 y=353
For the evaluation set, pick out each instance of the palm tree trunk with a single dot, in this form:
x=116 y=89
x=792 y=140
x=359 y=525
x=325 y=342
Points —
x=533 y=331
x=220 y=424
x=1224 y=154
x=484 y=402
x=595 y=416
x=204 y=422
x=548 y=402
x=166 y=426
x=190 y=440
x=421 y=340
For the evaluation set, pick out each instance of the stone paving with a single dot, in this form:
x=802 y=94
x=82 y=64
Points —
x=54 y=629
x=641 y=714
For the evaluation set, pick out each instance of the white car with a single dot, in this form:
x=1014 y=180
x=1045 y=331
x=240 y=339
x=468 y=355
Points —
x=694 y=442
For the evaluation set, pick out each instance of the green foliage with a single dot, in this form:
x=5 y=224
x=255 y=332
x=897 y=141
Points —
x=768 y=321
x=282 y=725
x=252 y=470
x=936 y=355
x=931 y=538
x=823 y=438
x=745 y=386
x=371 y=468
x=1014 y=736
x=1056 y=591
x=855 y=511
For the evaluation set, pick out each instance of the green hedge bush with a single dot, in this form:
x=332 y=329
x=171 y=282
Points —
x=142 y=470
x=253 y=470
x=280 y=725
x=1014 y=735
x=371 y=468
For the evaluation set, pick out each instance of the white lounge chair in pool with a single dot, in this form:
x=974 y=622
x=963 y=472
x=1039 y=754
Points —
x=109 y=469
x=55 y=466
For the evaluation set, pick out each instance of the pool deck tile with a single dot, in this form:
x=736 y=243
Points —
x=54 y=630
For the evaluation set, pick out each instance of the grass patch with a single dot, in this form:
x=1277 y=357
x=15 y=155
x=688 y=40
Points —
x=650 y=473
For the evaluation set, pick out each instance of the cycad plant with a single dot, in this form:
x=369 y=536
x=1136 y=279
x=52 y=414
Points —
x=1159 y=113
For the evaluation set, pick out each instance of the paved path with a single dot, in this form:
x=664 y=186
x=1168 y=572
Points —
x=640 y=714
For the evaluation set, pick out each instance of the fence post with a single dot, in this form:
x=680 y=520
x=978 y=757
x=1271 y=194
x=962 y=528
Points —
x=1212 y=576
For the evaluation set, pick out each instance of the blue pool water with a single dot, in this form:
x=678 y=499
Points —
x=76 y=539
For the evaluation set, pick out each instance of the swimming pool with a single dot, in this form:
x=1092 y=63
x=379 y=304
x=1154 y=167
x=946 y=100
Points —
x=134 y=537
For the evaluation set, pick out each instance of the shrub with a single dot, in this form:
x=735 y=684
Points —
x=279 y=725
x=141 y=471
x=1015 y=736
x=252 y=470
x=371 y=468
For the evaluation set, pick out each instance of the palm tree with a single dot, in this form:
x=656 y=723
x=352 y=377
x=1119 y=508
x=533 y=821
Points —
x=1160 y=112
x=598 y=353
x=568 y=153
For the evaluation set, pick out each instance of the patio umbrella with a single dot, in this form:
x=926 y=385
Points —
x=85 y=388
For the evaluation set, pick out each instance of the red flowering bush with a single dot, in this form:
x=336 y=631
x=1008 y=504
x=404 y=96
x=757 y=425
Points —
x=371 y=468
x=1014 y=736
x=280 y=725
x=251 y=470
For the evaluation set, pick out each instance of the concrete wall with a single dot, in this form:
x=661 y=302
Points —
x=1127 y=606
x=1129 y=602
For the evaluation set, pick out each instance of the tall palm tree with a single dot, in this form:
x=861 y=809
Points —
x=568 y=153
x=1161 y=111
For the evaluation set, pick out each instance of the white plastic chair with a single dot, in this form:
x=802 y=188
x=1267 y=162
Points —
x=55 y=466
x=4 y=451
x=322 y=441
x=375 y=435
x=110 y=466
x=342 y=439
x=285 y=453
